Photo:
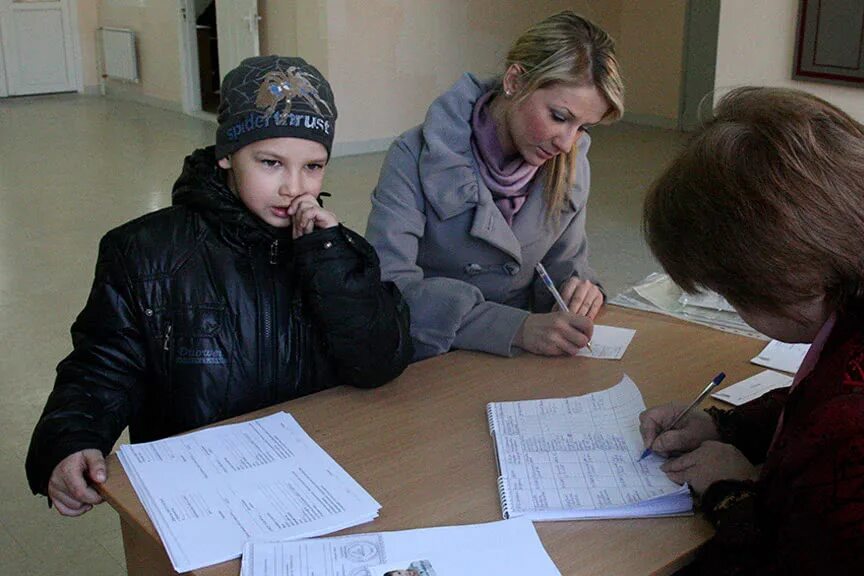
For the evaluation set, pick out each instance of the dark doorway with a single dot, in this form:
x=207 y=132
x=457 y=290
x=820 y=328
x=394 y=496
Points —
x=208 y=57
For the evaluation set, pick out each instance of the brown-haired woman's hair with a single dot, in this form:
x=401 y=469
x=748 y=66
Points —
x=766 y=204
x=567 y=49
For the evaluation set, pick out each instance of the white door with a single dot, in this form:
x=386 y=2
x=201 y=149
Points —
x=237 y=29
x=37 y=46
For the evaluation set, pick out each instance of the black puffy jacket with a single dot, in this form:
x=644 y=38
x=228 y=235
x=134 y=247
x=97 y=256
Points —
x=200 y=312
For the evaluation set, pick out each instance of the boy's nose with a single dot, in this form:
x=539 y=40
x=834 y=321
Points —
x=290 y=187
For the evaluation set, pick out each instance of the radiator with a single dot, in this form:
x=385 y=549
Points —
x=119 y=55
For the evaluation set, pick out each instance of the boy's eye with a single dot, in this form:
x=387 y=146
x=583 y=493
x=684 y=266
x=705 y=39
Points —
x=558 y=117
x=315 y=166
x=585 y=128
x=270 y=163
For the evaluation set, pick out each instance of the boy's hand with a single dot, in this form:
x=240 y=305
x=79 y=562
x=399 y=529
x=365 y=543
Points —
x=554 y=334
x=688 y=435
x=582 y=297
x=70 y=484
x=307 y=215
x=711 y=462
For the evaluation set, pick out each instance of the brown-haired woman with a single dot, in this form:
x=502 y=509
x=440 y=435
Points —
x=494 y=181
x=766 y=207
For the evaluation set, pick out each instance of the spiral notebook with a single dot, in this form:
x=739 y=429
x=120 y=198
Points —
x=578 y=458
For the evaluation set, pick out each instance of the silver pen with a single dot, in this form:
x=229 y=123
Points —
x=702 y=395
x=544 y=276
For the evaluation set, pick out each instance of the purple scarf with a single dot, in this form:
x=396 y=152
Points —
x=508 y=180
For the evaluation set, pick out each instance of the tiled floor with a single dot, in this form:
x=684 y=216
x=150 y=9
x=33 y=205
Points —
x=72 y=167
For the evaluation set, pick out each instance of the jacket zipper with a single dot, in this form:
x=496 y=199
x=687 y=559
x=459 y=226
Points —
x=169 y=365
x=267 y=297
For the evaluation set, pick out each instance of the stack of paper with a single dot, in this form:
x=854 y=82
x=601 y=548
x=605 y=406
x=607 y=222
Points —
x=506 y=548
x=579 y=457
x=657 y=293
x=210 y=491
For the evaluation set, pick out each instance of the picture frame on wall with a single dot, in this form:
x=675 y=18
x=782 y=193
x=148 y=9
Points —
x=829 y=43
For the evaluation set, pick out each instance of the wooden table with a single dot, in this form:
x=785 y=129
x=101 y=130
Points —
x=421 y=446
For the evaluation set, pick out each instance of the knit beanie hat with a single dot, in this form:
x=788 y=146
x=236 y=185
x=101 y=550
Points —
x=274 y=97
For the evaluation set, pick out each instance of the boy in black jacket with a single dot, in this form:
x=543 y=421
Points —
x=246 y=292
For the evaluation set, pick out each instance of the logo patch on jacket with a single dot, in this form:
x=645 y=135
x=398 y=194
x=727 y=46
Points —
x=197 y=355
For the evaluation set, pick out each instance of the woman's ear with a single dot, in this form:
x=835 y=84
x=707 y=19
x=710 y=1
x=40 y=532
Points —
x=512 y=80
x=225 y=163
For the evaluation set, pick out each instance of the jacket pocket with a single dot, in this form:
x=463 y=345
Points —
x=197 y=347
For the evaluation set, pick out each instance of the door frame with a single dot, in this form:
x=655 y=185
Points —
x=74 y=59
x=699 y=62
x=3 y=90
x=189 y=70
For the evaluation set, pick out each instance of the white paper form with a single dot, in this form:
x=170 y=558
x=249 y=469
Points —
x=578 y=457
x=210 y=491
x=608 y=342
x=505 y=548
x=753 y=387
x=782 y=356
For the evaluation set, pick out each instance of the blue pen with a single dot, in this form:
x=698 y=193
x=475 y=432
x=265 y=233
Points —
x=704 y=394
x=544 y=276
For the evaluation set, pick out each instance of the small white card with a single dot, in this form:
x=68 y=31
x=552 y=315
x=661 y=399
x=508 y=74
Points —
x=753 y=387
x=782 y=356
x=608 y=342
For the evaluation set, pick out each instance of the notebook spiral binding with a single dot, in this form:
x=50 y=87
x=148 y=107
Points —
x=490 y=415
x=502 y=494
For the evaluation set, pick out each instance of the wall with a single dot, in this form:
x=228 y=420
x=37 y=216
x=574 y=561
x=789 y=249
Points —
x=88 y=21
x=388 y=60
x=756 y=46
x=650 y=46
x=157 y=27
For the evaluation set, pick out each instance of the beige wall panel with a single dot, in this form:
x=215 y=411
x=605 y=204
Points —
x=756 y=46
x=388 y=60
x=158 y=47
x=651 y=51
x=278 y=27
x=88 y=21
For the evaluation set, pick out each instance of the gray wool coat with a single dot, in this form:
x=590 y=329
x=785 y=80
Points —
x=467 y=276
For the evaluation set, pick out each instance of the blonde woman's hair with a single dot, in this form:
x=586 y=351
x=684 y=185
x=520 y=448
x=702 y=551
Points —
x=567 y=49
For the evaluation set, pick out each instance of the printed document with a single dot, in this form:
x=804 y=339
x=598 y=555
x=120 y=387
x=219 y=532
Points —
x=579 y=457
x=208 y=492
x=504 y=548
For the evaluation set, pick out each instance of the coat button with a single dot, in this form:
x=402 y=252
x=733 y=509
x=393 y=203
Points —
x=328 y=245
x=473 y=269
x=148 y=312
x=511 y=268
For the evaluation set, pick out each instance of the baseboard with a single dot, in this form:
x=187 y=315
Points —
x=650 y=120
x=361 y=147
x=118 y=91
x=91 y=90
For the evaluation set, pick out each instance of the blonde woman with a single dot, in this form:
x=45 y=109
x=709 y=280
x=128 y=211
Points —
x=494 y=181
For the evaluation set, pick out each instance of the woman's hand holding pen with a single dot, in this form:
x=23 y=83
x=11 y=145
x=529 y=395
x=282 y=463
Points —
x=687 y=435
x=554 y=334
x=709 y=463
x=582 y=297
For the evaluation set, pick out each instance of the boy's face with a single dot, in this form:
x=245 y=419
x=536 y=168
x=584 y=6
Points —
x=270 y=175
